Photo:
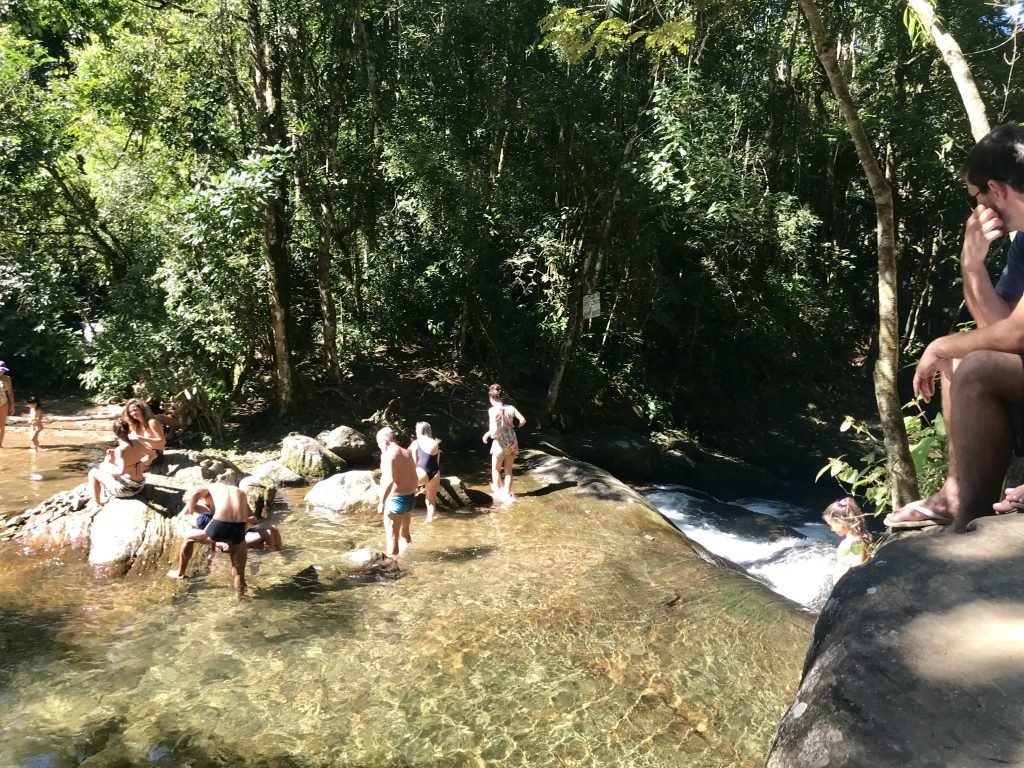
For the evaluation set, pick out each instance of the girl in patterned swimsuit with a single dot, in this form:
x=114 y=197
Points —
x=845 y=519
x=502 y=420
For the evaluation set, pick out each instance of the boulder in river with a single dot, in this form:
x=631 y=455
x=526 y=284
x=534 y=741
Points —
x=917 y=658
x=196 y=467
x=350 y=491
x=278 y=474
x=305 y=456
x=347 y=443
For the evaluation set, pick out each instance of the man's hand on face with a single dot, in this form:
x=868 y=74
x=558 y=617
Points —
x=983 y=228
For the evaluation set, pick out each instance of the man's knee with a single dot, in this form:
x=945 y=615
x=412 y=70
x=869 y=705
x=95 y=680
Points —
x=986 y=368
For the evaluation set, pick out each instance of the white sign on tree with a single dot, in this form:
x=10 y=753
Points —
x=591 y=305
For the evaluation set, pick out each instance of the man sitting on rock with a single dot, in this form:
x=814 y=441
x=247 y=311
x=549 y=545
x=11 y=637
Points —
x=121 y=475
x=987 y=387
x=398 y=483
x=219 y=513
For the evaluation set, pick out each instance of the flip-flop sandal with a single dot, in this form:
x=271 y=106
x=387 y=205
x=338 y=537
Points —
x=930 y=520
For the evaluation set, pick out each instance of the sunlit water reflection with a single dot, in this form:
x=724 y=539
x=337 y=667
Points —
x=28 y=477
x=561 y=631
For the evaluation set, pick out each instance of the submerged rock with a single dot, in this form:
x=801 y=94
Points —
x=917 y=657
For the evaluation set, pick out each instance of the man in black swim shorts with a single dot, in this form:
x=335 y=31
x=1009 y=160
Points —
x=229 y=517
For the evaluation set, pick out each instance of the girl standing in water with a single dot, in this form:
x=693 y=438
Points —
x=845 y=519
x=35 y=420
x=502 y=420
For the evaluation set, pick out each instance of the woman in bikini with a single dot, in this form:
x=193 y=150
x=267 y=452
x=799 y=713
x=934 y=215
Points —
x=121 y=475
x=6 y=398
x=145 y=428
x=426 y=451
x=502 y=420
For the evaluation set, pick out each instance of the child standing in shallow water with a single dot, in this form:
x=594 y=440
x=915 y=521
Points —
x=35 y=420
x=846 y=519
x=502 y=420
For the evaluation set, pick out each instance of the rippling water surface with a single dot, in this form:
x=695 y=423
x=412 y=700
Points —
x=28 y=477
x=564 y=630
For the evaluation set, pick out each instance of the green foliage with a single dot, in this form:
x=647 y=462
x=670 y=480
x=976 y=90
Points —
x=916 y=26
x=867 y=474
x=576 y=34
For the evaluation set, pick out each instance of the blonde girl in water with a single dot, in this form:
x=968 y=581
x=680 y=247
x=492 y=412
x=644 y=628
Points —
x=35 y=420
x=846 y=520
x=144 y=427
x=426 y=452
x=502 y=420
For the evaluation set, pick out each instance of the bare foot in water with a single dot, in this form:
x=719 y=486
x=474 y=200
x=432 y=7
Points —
x=173 y=574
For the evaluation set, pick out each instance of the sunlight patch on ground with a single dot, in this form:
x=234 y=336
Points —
x=981 y=642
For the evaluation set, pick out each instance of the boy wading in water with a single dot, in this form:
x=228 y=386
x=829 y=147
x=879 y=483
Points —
x=228 y=519
x=398 y=484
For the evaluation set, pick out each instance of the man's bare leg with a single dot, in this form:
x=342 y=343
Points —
x=988 y=385
x=939 y=502
x=238 y=553
x=185 y=554
x=403 y=524
x=391 y=534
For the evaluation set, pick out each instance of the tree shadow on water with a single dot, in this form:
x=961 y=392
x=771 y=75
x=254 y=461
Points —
x=551 y=488
x=29 y=639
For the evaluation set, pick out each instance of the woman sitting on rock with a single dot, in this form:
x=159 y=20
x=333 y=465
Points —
x=145 y=427
x=427 y=453
x=121 y=475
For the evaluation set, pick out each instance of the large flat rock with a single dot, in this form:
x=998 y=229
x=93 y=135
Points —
x=917 y=658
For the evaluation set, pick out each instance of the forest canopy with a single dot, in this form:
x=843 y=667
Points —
x=248 y=195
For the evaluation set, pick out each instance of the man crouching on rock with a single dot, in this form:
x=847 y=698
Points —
x=228 y=510
x=398 y=484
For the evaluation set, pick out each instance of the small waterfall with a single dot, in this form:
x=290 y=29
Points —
x=782 y=545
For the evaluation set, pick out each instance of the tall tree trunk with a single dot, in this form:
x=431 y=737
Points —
x=266 y=94
x=901 y=467
x=958 y=66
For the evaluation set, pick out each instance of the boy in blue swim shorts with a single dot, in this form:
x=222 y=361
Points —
x=398 y=484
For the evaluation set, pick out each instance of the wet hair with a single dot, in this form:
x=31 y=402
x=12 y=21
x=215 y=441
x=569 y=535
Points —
x=423 y=429
x=847 y=512
x=34 y=401
x=147 y=415
x=496 y=392
x=387 y=434
x=999 y=156
x=121 y=428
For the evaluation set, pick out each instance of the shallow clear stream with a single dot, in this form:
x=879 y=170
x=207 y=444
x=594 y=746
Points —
x=568 y=630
